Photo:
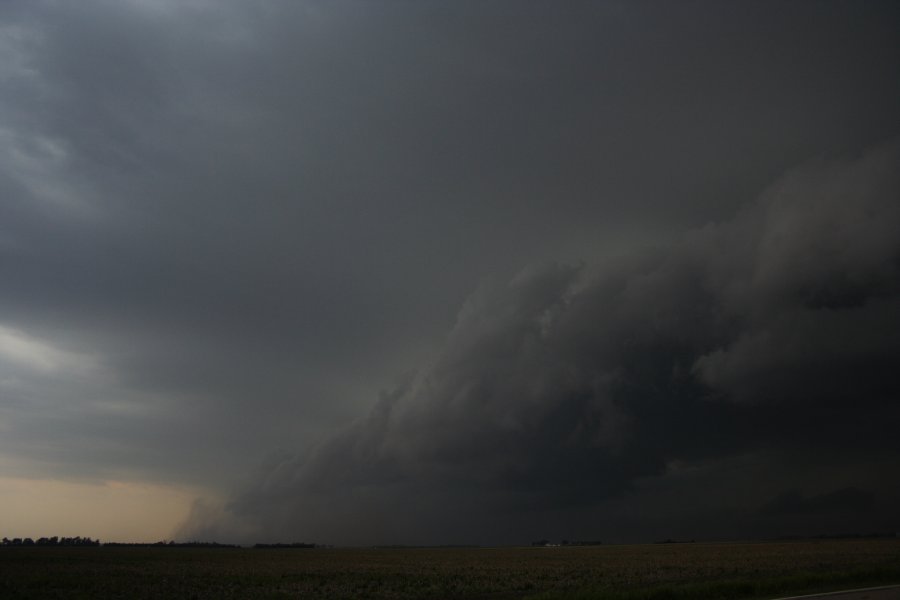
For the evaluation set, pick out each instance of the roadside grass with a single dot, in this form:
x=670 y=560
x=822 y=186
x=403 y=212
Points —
x=801 y=583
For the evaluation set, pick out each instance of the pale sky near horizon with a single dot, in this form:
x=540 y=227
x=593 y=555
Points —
x=377 y=271
x=111 y=511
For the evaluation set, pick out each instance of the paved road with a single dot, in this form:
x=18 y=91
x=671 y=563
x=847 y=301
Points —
x=879 y=593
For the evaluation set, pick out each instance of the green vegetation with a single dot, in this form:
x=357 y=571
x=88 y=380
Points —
x=640 y=572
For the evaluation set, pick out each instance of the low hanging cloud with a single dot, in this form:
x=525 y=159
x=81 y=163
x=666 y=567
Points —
x=793 y=502
x=565 y=387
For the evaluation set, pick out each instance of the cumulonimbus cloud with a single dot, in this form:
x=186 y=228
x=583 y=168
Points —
x=567 y=384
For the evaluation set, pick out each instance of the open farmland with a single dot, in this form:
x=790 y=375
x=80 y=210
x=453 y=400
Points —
x=745 y=570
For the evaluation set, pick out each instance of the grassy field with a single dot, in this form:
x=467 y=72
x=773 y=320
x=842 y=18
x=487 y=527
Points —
x=661 y=571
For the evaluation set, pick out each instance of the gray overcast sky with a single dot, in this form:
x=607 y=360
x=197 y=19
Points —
x=536 y=261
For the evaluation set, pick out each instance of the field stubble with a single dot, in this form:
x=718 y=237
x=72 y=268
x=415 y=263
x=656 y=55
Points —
x=639 y=572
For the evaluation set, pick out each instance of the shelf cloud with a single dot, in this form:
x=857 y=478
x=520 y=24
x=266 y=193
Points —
x=567 y=384
x=368 y=271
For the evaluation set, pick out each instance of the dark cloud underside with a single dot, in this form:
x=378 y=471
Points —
x=563 y=389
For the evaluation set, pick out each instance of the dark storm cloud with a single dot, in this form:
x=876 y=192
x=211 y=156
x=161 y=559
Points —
x=568 y=385
x=223 y=225
x=844 y=500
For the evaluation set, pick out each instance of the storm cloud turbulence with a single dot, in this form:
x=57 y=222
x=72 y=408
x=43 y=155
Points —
x=770 y=338
x=623 y=271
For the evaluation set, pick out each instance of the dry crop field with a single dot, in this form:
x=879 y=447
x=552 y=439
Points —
x=658 y=571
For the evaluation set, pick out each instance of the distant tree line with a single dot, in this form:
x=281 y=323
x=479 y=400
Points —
x=292 y=545
x=51 y=541
x=842 y=536
x=170 y=544
x=566 y=543
x=86 y=541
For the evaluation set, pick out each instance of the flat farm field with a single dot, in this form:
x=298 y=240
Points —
x=657 y=571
